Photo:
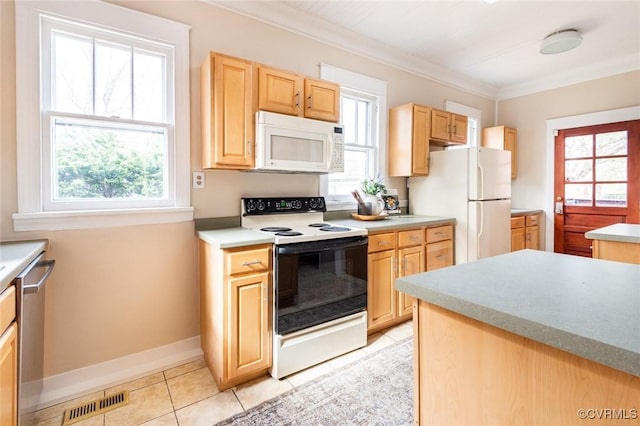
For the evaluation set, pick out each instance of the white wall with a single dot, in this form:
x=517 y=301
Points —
x=529 y=114
x=120 y=291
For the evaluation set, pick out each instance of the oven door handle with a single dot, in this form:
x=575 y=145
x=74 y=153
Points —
x=324 y=245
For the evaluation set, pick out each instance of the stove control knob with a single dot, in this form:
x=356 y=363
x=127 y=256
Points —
x=251 y=205
x=297 y=204
x=261 y=205
x=320 y=203
x=312 y=203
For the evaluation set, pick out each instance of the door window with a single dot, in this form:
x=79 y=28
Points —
x=596 y=169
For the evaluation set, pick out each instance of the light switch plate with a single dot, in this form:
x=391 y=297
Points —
x=198 y=180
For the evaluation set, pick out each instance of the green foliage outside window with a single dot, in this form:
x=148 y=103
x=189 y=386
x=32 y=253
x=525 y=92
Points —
x=94 y=164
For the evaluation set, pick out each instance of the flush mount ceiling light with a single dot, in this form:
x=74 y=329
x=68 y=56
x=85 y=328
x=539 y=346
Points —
x=560 y=41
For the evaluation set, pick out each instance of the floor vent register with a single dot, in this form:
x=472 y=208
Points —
x=95 y=407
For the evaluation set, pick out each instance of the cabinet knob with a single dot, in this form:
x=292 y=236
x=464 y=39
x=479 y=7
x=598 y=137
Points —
x=309 y=102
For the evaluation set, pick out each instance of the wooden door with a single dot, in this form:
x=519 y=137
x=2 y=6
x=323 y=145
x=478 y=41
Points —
x=249 y=341
x=9 y=376
x=381 y=295
x=411 y=261
x=279 y=91
x=532 y=232
x=459 y=131
x=233 y=114
x=510 y=144
x=440 y=124
x=322 y=100
x=597 y=182
x=420 y=141
x=518 y=239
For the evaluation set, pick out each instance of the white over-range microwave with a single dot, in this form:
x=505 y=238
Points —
x=286 y=143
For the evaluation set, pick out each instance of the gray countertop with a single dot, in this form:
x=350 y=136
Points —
x=395 y=222
x=622 y=232
x=524 y=212
x=234 y=237
x=239 y=237
x=15 y=256
x=587 y=307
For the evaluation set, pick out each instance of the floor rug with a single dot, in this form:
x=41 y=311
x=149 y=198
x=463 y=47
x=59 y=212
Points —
x=375 y=390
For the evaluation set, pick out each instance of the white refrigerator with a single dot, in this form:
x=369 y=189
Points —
x=473 y=185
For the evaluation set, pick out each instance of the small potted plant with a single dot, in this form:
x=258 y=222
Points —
x=370 y=203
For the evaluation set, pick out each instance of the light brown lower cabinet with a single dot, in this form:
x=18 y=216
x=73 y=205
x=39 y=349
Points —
x=394 y=254
x=8 y=358
x=617 y=251
x=468 y=372
x=235 y=312
x=525 y=232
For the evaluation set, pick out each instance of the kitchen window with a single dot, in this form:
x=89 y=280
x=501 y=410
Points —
x=359 y=118
x=110 y=106
x=361 y=100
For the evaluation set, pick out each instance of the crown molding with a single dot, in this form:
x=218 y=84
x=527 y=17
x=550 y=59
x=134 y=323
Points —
x=573 y=76
x=286 y=18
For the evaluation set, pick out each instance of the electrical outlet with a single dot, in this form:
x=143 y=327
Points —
x=198 y=180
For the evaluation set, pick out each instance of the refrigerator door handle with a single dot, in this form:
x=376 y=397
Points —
x=480 y=182
x=480 y=230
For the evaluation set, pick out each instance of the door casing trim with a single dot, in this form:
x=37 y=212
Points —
x=582 y=120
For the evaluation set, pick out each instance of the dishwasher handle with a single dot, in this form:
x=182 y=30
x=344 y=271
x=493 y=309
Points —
x=34 y=288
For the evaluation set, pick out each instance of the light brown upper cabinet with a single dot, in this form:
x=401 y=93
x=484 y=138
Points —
x=227 y=107
x=448 y=127
x=409 y=140
x=282 y=92
x=502 y=137
x=279 y=91
x=321 y=100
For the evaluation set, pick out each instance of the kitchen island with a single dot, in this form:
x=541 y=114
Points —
x=619 y=242
x=528 y=337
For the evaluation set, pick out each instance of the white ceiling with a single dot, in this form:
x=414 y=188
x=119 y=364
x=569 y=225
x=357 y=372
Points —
x=489 y=49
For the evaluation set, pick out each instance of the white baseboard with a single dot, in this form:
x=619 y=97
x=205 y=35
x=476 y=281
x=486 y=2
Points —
x=65 y=386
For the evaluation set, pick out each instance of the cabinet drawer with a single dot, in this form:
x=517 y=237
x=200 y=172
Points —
x=413 y=237
x=439 y=255
x=439 y=233
x=532 y=220
x=379 y=242
x=247 y=260
x=7 y=307
x=517 y=222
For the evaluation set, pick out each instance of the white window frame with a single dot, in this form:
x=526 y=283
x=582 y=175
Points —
x=31 y=213
x=371 y=86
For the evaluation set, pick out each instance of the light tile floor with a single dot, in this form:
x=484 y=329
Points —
x=187 y=395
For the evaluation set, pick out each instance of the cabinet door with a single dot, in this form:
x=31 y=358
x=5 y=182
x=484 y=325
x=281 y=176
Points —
x=517 y=239
x=279 y=91
x=420 y=141
x=227 y=113
x=510 y=144
x=381 y=295
x=532 y=237
x=440 y=124
x=9 y=376
x=322 y=100
x=410 y=261
x=459 y=130
x=249 y=331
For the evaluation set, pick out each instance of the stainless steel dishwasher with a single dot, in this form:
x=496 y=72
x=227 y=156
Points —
x=31 y=297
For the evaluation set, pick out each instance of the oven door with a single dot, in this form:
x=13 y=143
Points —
x=319 y=281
